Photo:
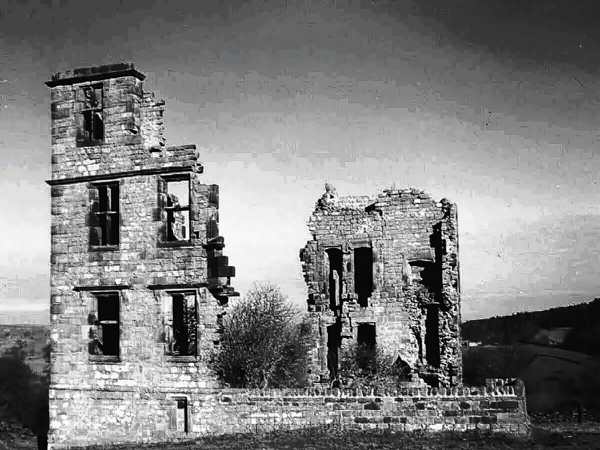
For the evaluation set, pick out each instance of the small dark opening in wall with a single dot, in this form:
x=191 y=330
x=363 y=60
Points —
x=333 y=344
x=429 y=275
x=363 y=274
x=87 y=124
x=366 y=341
x=181 y=415
x=97 y=127
x=402 y=370
x=366 y=335
x=432 y=335
x=179 y=328
x=335 y=276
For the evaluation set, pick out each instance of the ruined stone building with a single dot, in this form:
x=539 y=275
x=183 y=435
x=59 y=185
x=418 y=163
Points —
x=139 y=286
x=138 y=278
x=382 y=272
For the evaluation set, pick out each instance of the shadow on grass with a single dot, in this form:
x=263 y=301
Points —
x=24 y=395
x=337 y=438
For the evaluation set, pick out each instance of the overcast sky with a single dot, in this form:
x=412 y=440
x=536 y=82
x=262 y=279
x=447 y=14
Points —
x=492 y=104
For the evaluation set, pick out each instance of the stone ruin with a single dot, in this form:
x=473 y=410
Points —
x=383 y=272
x=139 y=281
x=139 y=285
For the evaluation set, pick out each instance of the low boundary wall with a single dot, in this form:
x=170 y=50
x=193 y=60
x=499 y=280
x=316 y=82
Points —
x=144 y=417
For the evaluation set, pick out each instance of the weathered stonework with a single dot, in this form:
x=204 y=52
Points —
x=139 y=285
x=94 y=260
x=138 y=417
x=388 y=264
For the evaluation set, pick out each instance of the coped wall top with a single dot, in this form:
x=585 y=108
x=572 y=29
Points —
x=94 y=73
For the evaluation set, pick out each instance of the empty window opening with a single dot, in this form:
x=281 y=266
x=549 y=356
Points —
x=334 y=256
x=432 y=335
x=91 y=121
x=182 y=336
x=179 y=415
x=105 y=215
x=366 y=335
x=363 y=274
x=366 y=341
x=104 y=330
x=427 y=275
x=333 y=345
x=178 y=210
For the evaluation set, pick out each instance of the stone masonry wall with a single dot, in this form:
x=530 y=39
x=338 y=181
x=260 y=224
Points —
x=415 y=298
x=138 y=416
x=87 y=391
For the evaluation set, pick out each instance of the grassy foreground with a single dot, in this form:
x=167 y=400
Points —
x=340 y=439
x=566 y=435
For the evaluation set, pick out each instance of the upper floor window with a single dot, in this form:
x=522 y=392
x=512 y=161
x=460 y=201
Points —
x=104 y=321
x=363 y=274
x=90 y=130
x=104 y=220
x=177 y=207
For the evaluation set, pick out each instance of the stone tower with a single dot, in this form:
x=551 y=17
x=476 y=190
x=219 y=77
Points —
x=382 y=272
x=138 y=279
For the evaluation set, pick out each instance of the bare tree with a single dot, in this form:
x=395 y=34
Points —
x=262 y=344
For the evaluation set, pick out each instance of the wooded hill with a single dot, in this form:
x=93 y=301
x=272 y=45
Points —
x=584 y=319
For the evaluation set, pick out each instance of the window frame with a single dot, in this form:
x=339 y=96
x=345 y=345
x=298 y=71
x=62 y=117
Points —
x=359 y=275
x=99 y=214
x=166 y=179
x=97 y=295
x=88 y=138
x=170 y=326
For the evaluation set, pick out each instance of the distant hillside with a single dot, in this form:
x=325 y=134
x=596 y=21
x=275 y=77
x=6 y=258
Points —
x=583 y=319
x=25 y=317
x=530 y=265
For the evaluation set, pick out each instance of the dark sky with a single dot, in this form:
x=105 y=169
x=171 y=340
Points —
x=493 y=104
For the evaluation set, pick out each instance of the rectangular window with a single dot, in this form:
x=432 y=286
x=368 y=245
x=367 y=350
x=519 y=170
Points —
x=177 y=208
x=105 y=215
x=363 y=274
x=182 y=325
x=104 y=325
x=366 y=335
x=91 y=118
x=366 y=341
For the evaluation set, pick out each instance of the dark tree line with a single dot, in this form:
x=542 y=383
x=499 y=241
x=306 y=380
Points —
x=522 y=327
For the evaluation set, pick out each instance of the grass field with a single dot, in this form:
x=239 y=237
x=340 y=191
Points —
x=588 y=438
x=555 y=435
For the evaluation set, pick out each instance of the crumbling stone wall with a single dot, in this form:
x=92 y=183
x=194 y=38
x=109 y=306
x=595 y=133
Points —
x=112 y=245
x=411 y=294
x=138 y=272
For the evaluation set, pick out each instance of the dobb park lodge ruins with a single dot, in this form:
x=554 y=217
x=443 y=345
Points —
x=140 y=284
